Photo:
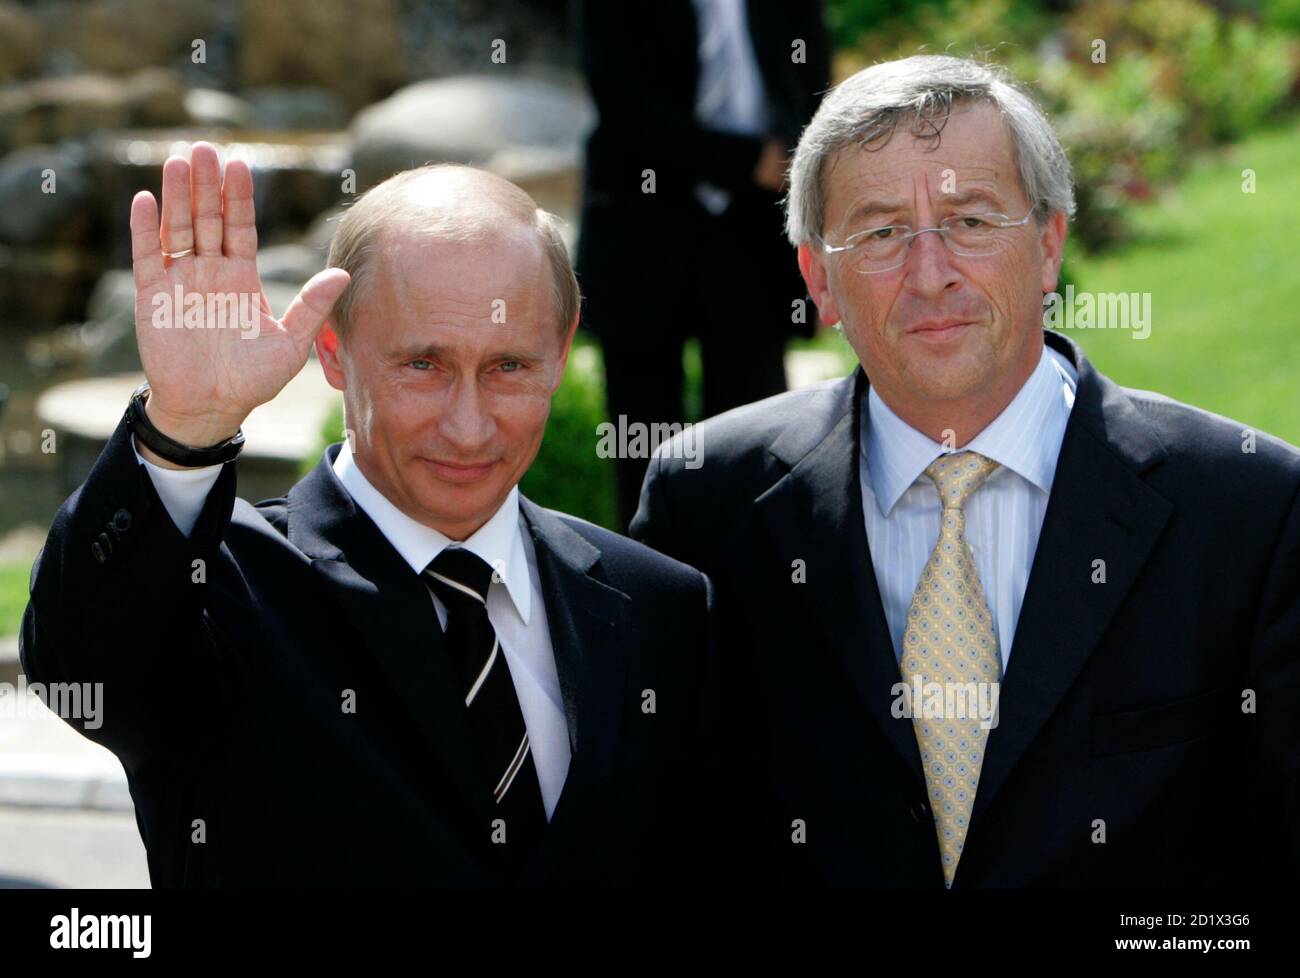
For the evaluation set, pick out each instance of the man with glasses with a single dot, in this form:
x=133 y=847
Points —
x=988 y=619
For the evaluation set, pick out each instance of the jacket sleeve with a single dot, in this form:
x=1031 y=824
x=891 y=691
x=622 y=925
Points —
x=740 y=845
x=1274 y=729
x=116 y=601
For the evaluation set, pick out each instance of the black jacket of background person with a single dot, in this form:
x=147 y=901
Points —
x=642 y=67
x=223 y=699
x=1122 y=701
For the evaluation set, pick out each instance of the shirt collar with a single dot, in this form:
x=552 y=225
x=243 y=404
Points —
x=1025 y=437
x=499 y=541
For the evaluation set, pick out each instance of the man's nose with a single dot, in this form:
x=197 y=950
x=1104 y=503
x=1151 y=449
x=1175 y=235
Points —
x=929 y=265
x=466 y=422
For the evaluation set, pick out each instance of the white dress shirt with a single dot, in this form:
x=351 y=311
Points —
x=729 y=95
x=515 y=606
x=1003 y=517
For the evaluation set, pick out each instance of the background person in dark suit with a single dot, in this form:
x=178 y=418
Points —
x=705 y=99
x=404 y=673
x=1124 y=569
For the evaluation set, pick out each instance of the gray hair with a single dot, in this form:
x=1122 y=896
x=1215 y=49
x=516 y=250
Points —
x=471 y=214
x=866 y=108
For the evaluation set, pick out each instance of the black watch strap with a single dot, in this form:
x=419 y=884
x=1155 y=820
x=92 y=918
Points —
x=169 y=448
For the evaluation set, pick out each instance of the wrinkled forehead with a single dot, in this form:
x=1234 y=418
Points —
x=966 y=157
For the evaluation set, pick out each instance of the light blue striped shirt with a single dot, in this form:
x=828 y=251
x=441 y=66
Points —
x=1003 y=517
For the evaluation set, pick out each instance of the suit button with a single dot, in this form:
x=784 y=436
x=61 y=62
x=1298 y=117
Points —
x=105 y=543
x=920 y=812
x=121 y=521
x=98 y=552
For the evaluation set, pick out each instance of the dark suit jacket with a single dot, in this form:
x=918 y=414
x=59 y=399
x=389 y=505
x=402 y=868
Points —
x=642 y=68
x=224 y=700
x=1122 y=701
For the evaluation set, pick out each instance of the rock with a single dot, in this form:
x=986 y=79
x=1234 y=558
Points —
x=210 y=107
x=44 y=192
x=102 y=340
x=469 y=119
x=292 y=198
x=278 y=107
x=54 y=109
x=453 y=37
x=21 y=42
x=155 y=97
x=113 y=300
x=349 y=47
x=46 y=284
x=292 y=264
x=321 y=231
x=118 y=36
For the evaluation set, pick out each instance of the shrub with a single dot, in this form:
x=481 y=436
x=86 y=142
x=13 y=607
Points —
x=1227 y=73
x=1178 y=76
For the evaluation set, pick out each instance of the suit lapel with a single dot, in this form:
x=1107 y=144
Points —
x=814 y=514
x=586 y=619
x=391 y=609
x=1100 y=509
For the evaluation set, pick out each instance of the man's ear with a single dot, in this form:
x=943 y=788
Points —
x=1052 y=241
x=812 y=267
x=569 y=334
x=329 y=351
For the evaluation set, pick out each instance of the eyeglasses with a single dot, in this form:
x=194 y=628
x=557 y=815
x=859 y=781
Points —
x=882 y=249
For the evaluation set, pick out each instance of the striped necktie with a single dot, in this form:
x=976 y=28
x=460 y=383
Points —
x=461 y=580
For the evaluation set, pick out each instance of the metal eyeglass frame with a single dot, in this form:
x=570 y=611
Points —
x=911 y=235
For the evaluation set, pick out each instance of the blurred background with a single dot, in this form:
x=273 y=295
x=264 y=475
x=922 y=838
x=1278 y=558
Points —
x=1180 y=117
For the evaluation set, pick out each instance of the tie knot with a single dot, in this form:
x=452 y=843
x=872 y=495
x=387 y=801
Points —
x=459 y=576
x=959 y=474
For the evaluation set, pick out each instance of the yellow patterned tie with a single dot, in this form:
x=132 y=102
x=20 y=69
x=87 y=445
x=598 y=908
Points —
x=949 y=640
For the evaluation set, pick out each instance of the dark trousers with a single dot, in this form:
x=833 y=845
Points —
x=654 y=274
x=645 y=380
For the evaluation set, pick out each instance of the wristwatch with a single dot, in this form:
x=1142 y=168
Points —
x=169 y=448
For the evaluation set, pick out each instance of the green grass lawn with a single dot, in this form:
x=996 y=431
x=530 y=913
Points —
x=13 y=596
x=1223 y=270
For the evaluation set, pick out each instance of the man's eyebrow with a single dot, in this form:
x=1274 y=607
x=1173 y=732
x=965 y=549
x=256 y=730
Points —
x=970 y=196
x=433 y=351
x=416 y=351
x=870 y=208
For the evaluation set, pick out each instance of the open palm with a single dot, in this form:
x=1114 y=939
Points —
x=210 y=377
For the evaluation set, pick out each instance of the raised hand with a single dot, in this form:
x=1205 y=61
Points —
x=206 y=377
